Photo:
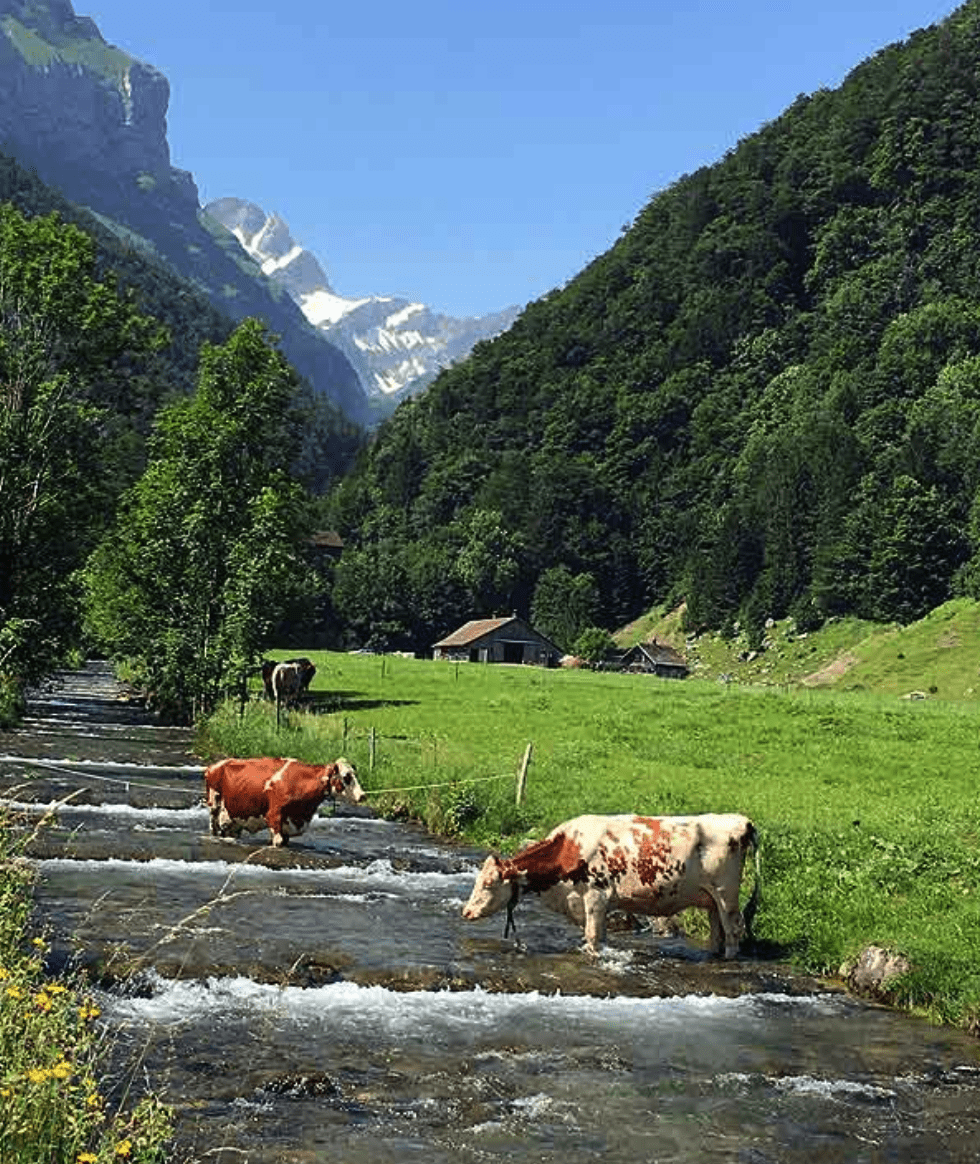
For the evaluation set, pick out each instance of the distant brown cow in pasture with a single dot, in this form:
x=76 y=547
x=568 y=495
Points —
x=268 y=666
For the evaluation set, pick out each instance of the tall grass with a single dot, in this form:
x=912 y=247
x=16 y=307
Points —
x=867 y=805
x=54 y=1107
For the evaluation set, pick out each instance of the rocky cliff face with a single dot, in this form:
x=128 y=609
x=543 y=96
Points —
x=70 y=102
x=396 y=346
x=91 y=120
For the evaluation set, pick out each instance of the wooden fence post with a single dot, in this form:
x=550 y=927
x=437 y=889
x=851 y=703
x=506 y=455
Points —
x=522 y=775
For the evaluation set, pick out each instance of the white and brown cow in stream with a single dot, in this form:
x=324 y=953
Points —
x=281 y=794
x=657 y=866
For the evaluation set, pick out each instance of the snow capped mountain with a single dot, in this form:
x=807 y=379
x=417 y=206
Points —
x=396 y=346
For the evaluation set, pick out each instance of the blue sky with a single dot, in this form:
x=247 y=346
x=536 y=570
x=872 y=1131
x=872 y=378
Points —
x=474 y=156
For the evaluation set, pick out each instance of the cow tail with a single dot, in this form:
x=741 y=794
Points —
x=752 y=905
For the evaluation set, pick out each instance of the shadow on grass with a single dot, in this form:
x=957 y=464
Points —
x=330 y=702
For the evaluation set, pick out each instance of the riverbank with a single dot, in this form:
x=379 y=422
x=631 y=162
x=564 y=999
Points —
x=866 y=804
x=55 y=1104
x=60 y=1101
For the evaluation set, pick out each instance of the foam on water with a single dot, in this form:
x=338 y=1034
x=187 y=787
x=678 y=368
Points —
x=378 y=875
x=84 y=728
x=194 y=817
x=810 y=1085
x=353 y=1011
x=103 y=765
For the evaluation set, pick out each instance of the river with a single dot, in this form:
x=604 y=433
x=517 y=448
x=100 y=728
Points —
x=326 y=1002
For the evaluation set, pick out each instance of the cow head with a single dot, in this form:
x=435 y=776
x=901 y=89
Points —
x=494 y=888
x=340 y=781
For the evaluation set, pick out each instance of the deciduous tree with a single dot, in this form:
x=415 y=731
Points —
x=63 y=336
x=207 y=554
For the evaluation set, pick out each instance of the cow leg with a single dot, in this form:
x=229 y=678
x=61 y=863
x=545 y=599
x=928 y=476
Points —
x=726 y=925
x=594 y=905
x=717 y=940
x=214 y=804
x=279 y=835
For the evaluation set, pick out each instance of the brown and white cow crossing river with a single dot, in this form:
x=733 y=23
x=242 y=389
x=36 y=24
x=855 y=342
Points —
x=327 y=1002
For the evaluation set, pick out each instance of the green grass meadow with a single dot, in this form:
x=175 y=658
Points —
x=867 y=804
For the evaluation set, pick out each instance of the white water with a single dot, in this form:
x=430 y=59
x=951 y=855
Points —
x=378 y=875
x=457 y=1017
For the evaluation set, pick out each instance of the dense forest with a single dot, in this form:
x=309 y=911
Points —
x=764 y=400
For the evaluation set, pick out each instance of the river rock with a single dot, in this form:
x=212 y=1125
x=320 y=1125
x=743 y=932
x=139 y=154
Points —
x=874 y=970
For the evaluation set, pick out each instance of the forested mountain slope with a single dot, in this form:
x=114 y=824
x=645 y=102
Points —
x=189 y=320
x=765 y=398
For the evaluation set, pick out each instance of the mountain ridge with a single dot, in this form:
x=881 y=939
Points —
x=90 y=119
x=396 y=345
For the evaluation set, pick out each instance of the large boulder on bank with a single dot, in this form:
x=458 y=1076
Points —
x=874 y=970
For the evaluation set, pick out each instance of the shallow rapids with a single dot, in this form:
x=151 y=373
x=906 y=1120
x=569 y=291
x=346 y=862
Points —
x=326 y=1002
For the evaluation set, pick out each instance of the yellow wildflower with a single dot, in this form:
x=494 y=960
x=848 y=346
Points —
x=61 y=1070
x=39 y=943
x=43 y=1002
x=4 y=973
x=14 y=992
x=124 y=1148
x=86 y=1158
x=57 y=988
x=37 y=1075
x=94 y=1100
x=88 y=1010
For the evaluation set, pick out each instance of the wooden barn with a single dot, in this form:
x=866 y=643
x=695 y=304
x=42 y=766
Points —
x=498 y=640
x=655 y=659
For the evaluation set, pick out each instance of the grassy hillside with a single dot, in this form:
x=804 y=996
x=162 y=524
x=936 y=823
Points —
x=936 y=657
x=866 y=802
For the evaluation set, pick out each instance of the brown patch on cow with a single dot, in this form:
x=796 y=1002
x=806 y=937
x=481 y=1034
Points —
x=616 y=861
x=653 y=849
x=545 y=863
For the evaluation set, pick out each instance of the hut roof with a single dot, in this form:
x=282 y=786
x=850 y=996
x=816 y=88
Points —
x=658 y=653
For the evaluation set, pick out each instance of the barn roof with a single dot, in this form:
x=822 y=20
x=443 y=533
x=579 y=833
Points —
x=474 y=629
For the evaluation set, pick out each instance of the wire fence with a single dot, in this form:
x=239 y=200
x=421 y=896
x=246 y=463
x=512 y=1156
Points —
x=128 y=783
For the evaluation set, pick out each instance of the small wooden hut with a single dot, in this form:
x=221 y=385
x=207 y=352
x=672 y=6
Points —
x=655 y=659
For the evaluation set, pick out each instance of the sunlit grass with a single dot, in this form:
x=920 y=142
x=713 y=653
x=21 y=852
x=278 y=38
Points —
x=54 y=1106
x=867 y=804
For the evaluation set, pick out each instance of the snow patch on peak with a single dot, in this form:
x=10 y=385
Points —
x=396 y=346
x=405 y=314
x=323 y=308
